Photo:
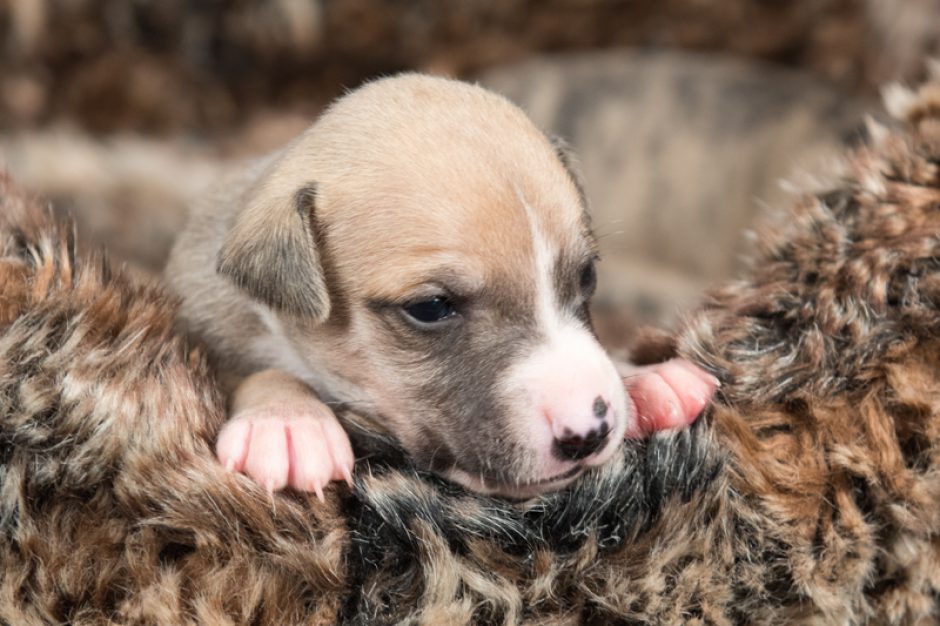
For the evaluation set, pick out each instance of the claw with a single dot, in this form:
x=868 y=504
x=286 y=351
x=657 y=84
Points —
x=347 y=475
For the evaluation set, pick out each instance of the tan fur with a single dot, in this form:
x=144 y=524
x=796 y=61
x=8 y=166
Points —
x=381 y=210
x=264 y=385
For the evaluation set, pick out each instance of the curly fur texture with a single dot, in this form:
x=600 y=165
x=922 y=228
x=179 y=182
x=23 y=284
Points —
x=808 y=494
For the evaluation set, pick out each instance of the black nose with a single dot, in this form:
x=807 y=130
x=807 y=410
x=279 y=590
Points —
x=577 y=447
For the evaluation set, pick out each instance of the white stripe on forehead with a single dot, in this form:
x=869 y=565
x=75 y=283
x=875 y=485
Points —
x=546 y=307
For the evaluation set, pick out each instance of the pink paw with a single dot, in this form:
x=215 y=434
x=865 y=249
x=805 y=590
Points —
x=291 y=444
x=667 y=395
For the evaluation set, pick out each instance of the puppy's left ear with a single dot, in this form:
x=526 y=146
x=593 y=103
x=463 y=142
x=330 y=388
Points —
x=271 y=252
x=570 y=161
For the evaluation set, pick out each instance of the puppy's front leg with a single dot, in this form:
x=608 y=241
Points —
x=281 y=434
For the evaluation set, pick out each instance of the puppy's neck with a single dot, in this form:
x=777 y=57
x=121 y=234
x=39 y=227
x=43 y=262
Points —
x=277 y=348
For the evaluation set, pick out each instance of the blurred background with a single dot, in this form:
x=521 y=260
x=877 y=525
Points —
x=686 y=114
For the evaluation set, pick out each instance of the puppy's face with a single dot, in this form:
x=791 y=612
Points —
x=456 y=263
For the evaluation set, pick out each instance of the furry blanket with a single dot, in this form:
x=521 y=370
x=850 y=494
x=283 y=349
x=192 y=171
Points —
x=809 y=492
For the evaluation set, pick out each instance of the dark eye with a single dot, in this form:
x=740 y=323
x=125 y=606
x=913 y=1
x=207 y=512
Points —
x=588 y=280
x=429 y=311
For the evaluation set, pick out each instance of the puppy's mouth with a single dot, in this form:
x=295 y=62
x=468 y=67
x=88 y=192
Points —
x=504 y=484
x=514 y=490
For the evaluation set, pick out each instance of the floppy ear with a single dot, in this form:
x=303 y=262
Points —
x=570 y=161
x=271 y=253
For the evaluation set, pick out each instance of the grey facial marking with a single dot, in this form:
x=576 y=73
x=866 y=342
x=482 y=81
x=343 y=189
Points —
x=463 y=369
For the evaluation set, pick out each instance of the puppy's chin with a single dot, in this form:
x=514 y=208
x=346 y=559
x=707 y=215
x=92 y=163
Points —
x=554 y=480
x=513 y=491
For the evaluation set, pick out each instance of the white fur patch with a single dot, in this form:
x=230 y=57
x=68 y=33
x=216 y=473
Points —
x=563 y=377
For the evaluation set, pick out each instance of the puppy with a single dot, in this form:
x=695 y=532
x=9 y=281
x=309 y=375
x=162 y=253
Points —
x=422 y=255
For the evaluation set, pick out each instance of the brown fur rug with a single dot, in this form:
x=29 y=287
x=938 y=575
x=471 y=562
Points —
x=809 y=493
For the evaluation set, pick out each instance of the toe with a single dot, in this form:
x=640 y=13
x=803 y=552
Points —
x=690 y=388
x=340 y=450
x=232 y=445
x=267 y=461
x=311 y=465
x=709 y=380
x=657 y=406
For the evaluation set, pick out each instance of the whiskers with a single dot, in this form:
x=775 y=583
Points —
x=353 y=405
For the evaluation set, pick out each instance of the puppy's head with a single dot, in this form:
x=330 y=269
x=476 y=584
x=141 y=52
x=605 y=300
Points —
x=425 y=253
